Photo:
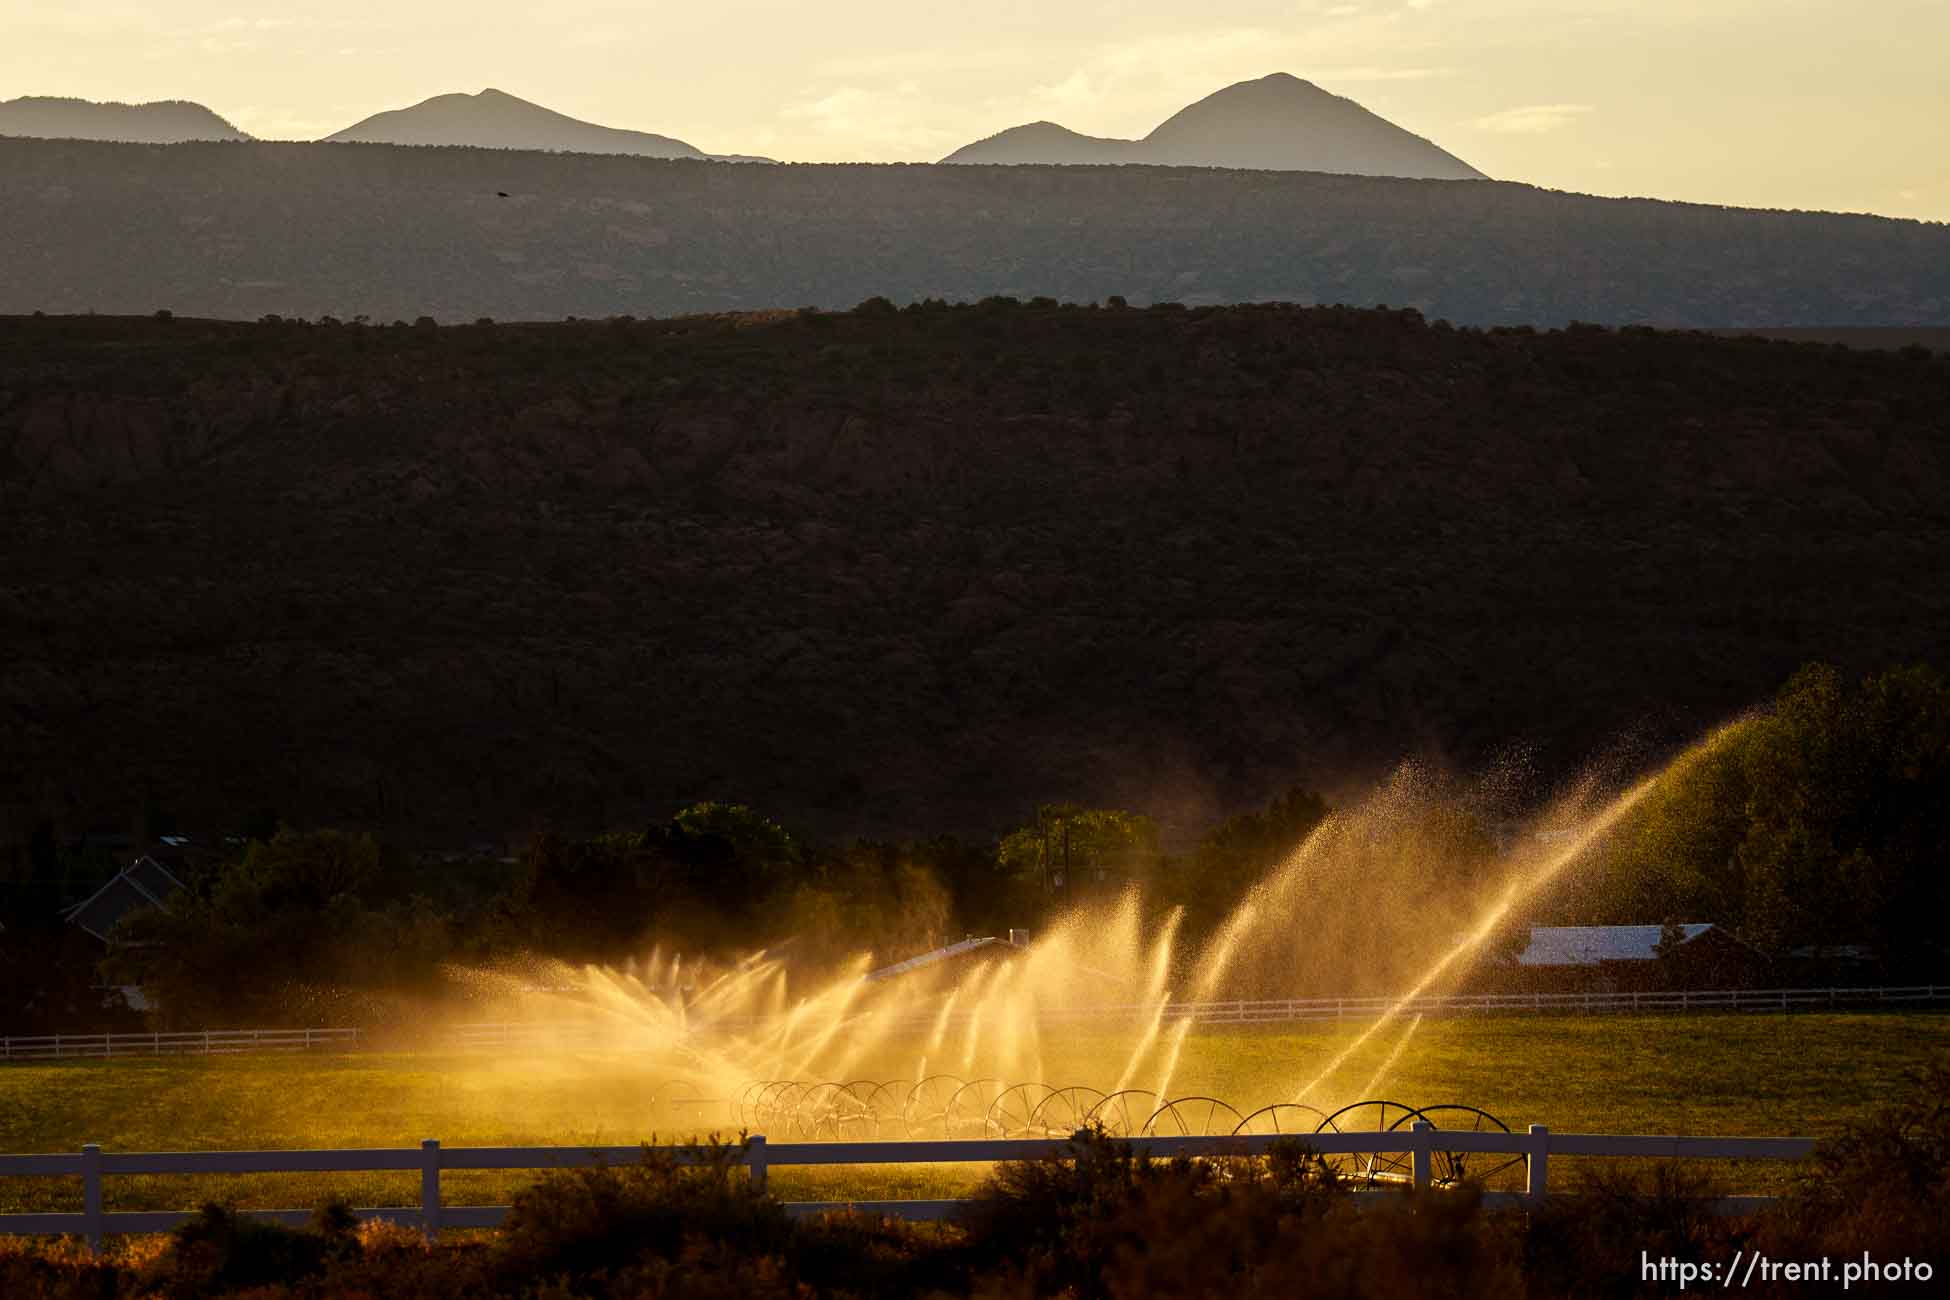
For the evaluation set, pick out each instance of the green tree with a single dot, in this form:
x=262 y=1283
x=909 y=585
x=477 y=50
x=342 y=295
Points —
x=254 y=941
x=701 y=879
x=1068 y=848
x=1814 y=825
x=592 y=899
x=752 y=836
x=1239 y=852
x=875 y=898
x=1846 y=837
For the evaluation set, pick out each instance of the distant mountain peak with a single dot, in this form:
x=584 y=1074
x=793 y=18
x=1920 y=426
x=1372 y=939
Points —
x=495 y=119
x=1278 y=122
x=165 y=121
x=1046 y=141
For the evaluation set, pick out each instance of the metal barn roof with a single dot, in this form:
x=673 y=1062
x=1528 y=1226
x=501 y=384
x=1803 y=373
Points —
x=942 y=954
x=1588 y=945
x=143 y=884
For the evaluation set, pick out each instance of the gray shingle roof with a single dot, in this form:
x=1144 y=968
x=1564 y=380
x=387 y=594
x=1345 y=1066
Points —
x=938 y=955
x=1587 y=945
x=144 y=883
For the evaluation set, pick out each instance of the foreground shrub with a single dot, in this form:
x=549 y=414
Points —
x=1112 y=1224
x=664 y=1227
x=221 y=1251
x=1105 y=1224
x=1882 y=1187
x=1593 y=1242
x=63 y=1270
x=581 y=1223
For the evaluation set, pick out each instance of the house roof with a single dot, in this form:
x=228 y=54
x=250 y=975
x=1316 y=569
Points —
x=1588 y=945
x=143 y=884
x=938 y=955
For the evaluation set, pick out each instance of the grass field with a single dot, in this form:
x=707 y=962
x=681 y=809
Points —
x=1727 y=1075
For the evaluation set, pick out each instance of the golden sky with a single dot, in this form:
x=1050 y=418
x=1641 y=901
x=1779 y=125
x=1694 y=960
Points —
x=1772 y=103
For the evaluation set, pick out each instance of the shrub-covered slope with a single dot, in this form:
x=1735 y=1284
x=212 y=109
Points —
x=908 y=570
x=389 y=231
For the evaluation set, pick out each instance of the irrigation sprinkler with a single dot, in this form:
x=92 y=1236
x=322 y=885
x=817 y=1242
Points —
x=925 y=1113
x=1453 y=1167
x=1123 y=1113
x=1064 y=1111
x=1013 y=1113
x=887 y=1101
x=1374 y=1116
x=1293 y=1117
x=1191 y=1117
x=946 y=1106
x=967 y=1112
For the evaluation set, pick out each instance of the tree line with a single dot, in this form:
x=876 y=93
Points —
x=1814 y=831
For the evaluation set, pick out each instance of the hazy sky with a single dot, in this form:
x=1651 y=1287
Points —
x=1777 y=103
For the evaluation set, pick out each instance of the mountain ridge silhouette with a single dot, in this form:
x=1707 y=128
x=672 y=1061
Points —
x=1277 y=122
x=307 y=229
x=163 y=121
x=495 y=119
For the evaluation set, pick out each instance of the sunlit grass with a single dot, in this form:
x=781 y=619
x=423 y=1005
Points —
x=1726 y=1075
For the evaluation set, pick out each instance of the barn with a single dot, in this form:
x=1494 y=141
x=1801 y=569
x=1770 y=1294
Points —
x=1624 y=958
x=143 y=884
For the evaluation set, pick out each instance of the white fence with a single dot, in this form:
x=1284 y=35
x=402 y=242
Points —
x=1303 y=1010
x=1269 y=1011
x=1421 y=1144
x=201 y=1042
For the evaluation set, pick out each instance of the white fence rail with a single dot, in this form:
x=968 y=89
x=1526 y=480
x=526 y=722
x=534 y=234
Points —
x=1420 y=1143
x=1267 y=1011
x=201 y=1042
x=1303 y=1010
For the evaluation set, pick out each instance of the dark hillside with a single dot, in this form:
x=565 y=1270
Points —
x=919 y=569
x=1887 y=339
x=388 y=231
x=169 y=121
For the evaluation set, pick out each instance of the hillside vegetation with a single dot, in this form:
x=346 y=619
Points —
x=389 y=231
x=910 y=571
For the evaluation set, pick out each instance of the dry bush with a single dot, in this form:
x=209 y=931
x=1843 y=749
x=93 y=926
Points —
x=1112 y=1224
x=1882 y=1187
x=59 y=1270
x=1592 y=1242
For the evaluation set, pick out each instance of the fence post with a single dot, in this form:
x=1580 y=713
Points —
x=430 y=1188
x=1422 y=1132
x=755 y=1155
x=1537 y=1164
x=91 y=1196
